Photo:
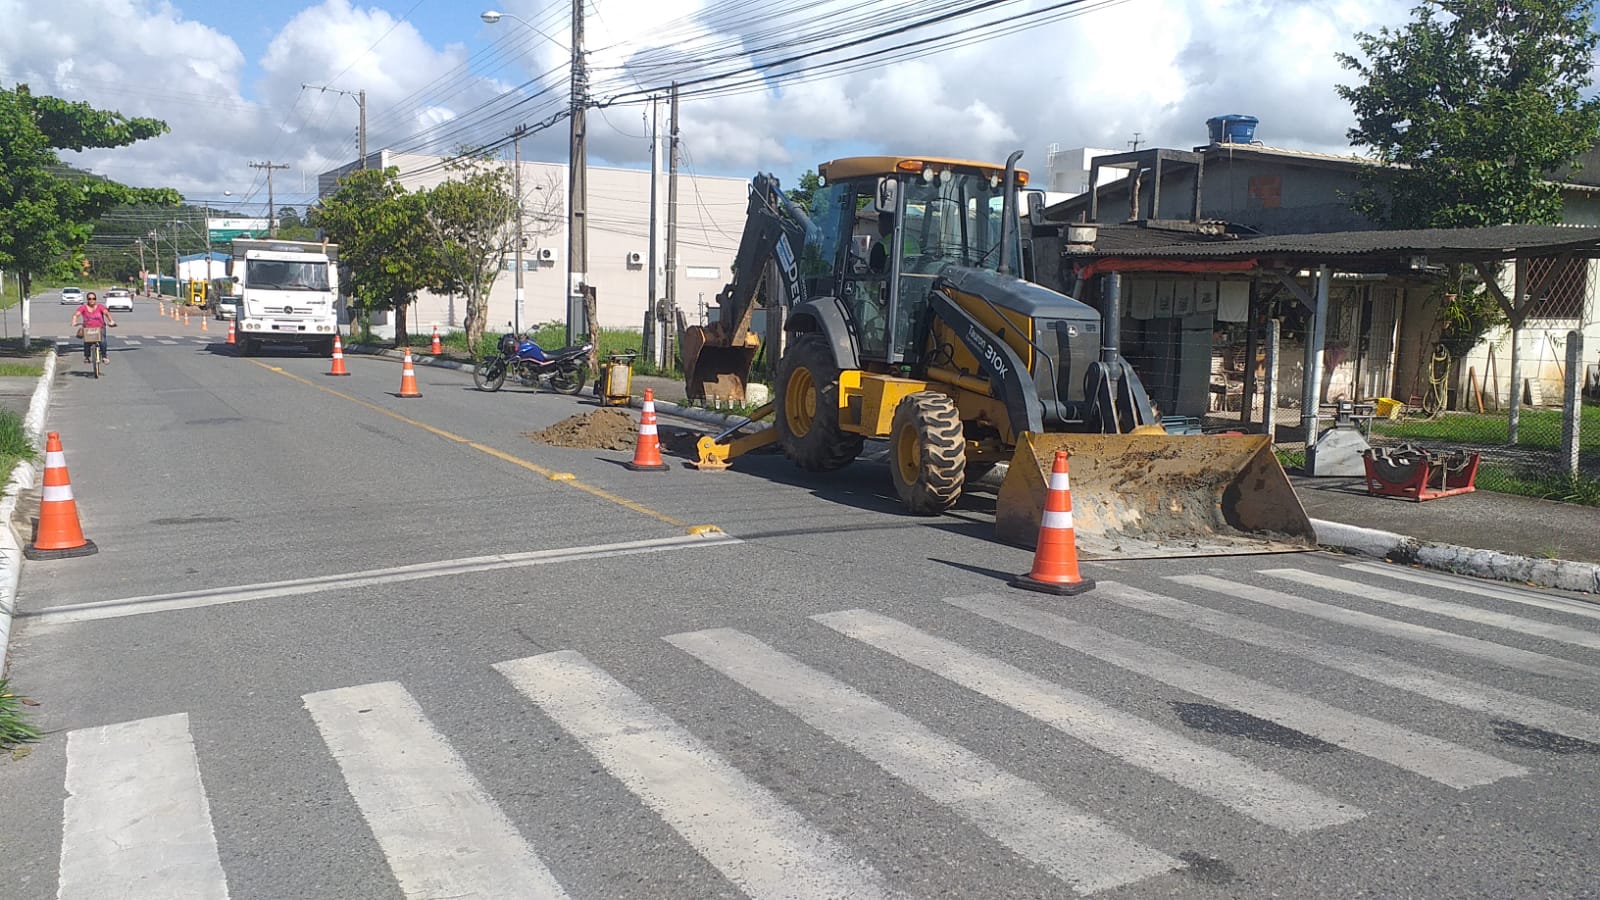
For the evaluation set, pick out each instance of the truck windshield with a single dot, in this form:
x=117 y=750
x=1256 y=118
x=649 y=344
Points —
x=284 y=275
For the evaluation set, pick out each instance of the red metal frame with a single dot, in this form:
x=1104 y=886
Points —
x=1428 y=480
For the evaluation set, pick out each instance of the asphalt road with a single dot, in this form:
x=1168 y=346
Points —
x=342 y=644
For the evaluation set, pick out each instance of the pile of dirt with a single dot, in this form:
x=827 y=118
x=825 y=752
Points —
x=603 y=429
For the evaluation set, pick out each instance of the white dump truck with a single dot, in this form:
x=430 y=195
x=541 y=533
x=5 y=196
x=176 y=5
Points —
x=288 y=294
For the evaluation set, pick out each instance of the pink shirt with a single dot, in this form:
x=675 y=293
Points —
x=92 y=318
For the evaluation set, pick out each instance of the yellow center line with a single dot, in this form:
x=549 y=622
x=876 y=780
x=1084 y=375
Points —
x=551 y=474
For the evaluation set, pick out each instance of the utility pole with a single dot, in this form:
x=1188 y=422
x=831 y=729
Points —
x=140 y=243
x=272 y=210
x=578 y=188
x=177 y=293
x=361 y=101
x=516 y=188
x=652 y=324
x=672 y=215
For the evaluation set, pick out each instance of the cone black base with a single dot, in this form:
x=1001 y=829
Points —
x=641 y=468
x=339 y=374
x=1060 y=589
x=88 y=549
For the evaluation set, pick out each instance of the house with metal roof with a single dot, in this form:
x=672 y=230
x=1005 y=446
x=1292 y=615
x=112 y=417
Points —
x=1212 y=244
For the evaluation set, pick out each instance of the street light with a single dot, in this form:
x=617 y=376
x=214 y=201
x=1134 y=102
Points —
x=577 y=171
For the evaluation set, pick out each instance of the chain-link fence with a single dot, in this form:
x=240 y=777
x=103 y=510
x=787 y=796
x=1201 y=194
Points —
x=1548 y=446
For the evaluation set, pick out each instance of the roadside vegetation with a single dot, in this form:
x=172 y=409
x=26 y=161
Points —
x=15 y=445
x=14 y=726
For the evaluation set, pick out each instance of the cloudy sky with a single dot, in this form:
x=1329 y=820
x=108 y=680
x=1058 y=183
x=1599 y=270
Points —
x=228 y=77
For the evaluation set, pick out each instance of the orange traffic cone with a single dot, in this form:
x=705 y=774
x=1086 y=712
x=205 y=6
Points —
x=338 y=360
x=408 y=378
x=437 y=350
x=60 y=536
x=1055 y=562
x=203 y=323
x=647 y=450
x=186 y=316
x=231 y=338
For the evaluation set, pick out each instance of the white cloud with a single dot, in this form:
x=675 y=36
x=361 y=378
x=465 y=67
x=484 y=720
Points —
x=1158 y=67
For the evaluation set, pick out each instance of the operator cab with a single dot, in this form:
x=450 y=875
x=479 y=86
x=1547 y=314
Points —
x=888 y=226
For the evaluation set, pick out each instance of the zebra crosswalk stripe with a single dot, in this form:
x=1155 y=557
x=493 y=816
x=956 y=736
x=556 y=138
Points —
x=1385 y=670
x=1246 y=788
x=740 y=827
x=441 y=834
x=1499 y=654
x=1430 y=757
x=1078 y=848
x=136 y=823
x=1565 y=634
x=1464 y=585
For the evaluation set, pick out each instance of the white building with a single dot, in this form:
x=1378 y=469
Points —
x=1067 y=171
x=711 y=214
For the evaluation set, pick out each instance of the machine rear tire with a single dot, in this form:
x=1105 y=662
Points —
x=927 y=453
x=807 y=407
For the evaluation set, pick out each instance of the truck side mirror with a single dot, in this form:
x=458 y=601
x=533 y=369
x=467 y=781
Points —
x=886 y=199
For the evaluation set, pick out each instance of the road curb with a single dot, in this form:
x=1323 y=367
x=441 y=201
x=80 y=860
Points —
x=21 y=480
x=1552 y=573
x=417 y=359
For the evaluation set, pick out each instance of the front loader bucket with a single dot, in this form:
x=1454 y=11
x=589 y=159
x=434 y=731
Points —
x=712 y=370
x=1147 y=495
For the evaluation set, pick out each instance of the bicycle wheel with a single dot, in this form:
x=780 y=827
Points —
x=97 y=359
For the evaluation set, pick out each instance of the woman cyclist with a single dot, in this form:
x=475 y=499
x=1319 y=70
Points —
x=92 y=315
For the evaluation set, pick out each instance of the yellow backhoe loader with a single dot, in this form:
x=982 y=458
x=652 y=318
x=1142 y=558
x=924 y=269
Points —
x=903 y=321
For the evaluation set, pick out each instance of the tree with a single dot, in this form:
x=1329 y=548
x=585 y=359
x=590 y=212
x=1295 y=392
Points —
x=46 y=208
x=378 y=226
x=288 y=218
x=1473 y=105
x=471 y=221
x=801 y=195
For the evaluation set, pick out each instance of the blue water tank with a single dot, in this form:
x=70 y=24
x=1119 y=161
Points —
x=1233 y=129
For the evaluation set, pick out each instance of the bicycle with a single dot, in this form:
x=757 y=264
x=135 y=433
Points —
x=92 y=339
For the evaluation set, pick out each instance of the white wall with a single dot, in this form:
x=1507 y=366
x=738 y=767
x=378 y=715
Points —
x=711 y=214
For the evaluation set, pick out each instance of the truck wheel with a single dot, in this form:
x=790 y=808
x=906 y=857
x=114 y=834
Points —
x=245 y=347
x=807 y=413
x=927 y=453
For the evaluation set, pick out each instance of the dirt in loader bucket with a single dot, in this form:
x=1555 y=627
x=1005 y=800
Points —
x=1158 y=495
x=714 y=370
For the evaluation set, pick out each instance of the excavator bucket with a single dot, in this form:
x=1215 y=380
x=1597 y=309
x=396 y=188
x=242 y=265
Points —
x=712 y=369
x=1158 y=495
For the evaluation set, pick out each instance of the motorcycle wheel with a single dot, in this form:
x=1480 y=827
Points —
x=489 y=374
x=568 y=379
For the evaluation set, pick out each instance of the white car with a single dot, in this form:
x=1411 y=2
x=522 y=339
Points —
x=71 y=296
x=118 y=299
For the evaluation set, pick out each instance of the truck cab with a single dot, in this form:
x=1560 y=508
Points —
x=287 y=294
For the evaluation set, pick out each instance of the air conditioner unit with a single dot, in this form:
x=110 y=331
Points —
x=635 y=258
x=547 y=254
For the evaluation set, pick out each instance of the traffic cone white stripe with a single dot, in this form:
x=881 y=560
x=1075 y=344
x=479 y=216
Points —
x=53 y=493
x=647 y=428
x=55 y=459
x=1056 y=519
x=1058 y=481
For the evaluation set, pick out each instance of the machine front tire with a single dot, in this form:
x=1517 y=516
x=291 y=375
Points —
x=927 y=453
x=807 y=413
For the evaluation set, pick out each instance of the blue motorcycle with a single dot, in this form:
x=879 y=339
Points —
x=564 y=370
